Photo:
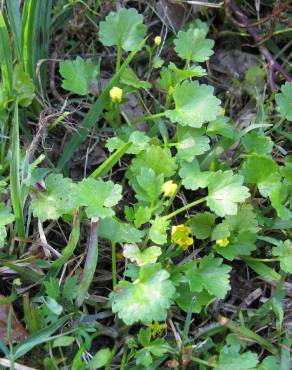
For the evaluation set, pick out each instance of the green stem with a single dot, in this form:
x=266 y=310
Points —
x=17 y=201
x=260 y=259
x=114 y=265
x=119 y=57
x=147 y=118
x=124 y=359
x=184 y=208
x=199 y=361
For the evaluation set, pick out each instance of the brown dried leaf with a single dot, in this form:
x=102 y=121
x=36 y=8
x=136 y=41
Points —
x=18 y=331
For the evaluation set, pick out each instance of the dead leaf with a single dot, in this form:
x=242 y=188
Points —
x=18 y=331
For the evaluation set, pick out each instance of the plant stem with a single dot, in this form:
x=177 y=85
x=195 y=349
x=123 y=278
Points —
x=124 y=359
x=114 y=265
x=90 y=264
x=147 y=118
x=199 y=361
x=184 y=208
x=119 y=57
x=261 y=259
x=17 y=201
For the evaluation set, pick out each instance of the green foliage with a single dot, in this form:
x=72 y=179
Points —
x=100 y=359
x=58 y=198
x=146 y=299
x=211 y=274
x=5 y=218
x=99 y=196
x=225 y=191
x=262 y=171
x=190 y=143
x=149 y=255
x=156 y=348
x=124 y=29
x=78 y=75
x=254 y=142
x=193 y=45
x=201 y=225
x=195 y=104
x=23 y=86
x=283 y=100
x=284 y=252
x=230 y=358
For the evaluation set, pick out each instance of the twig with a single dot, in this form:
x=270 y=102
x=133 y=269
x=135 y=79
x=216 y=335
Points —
x=273 y=65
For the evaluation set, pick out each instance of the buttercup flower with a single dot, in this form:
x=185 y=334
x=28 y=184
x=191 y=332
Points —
x=180 y=235
x=169 y=188
x=222 y=243
x=157 y=40
x=116 y=94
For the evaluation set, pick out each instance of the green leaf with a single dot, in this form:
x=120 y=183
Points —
x=278 y=198
x=158 y=230
x=262 y=171
x=195 y=104
x=78 y=75
x=193 y=45
x=63 y=341
x=149 y=186
x=225 y=191
x=99 y=196
x=155 y=157
x=23 y=86
x=201 y=225
x=145 y=300
x=270 y=363
x=100 y=359
x=156 y=348
x=148 y=255
x=254 y=142
x=230 y=358
x=60 y=197
x=139 y=141
x=284 y=101
x=211 y=275
x=5 y=216
x=192 y=177
x=240 y=245
x=184 y=298
x=190 y=142
x=124 y=29
x=52 y=288
x=284 y=251
x=118 y=232
x=129 y=78
x=222 y=126
x=70 y=288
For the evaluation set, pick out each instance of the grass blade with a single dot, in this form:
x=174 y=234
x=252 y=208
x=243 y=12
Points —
x=90 y=264
x=107 y=165
x=5 y=56
x=95 y=111
x=15 y=24
x=72 y=243
x=15 y=178
x=38 y=338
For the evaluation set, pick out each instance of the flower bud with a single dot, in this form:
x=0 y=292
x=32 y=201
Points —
x=116 y=94
x=169 y=188
x=222 y=243
x=157 y=40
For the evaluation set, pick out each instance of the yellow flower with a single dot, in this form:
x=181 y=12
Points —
x=180 y=235
x=222 y=243
x=169 y=188
x=157 y=328
x=116 y=94
x=223 y=110
x=157 y=40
